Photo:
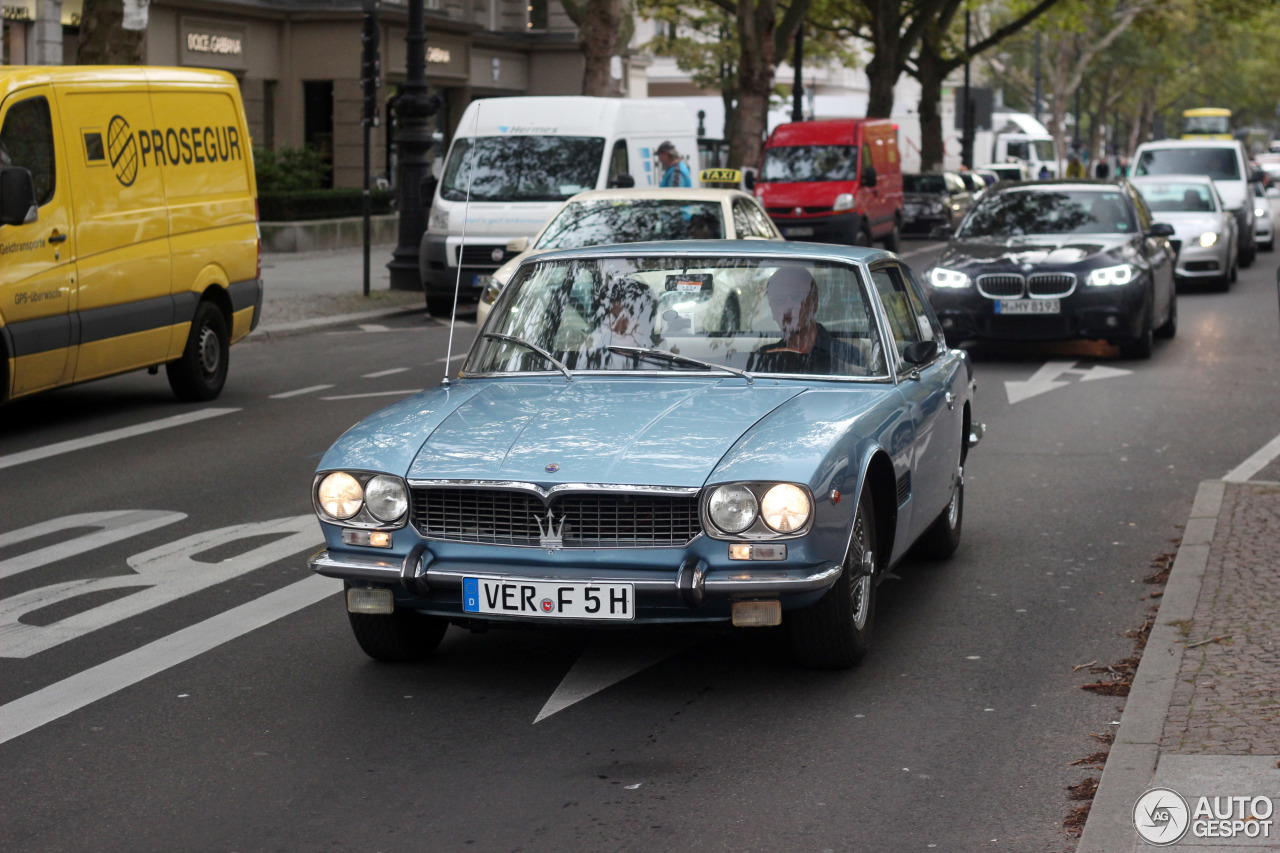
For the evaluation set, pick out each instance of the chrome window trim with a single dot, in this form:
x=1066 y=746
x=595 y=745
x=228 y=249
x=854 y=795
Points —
x=545 y=493
x=703 y=374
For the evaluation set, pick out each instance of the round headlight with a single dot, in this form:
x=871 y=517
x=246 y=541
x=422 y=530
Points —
x=386 y=498
x=1208 y=238
x=340 y=495
x=733 y=508
x=785 y=508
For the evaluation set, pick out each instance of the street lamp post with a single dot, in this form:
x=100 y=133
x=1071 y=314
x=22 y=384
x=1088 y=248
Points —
x=414 y=108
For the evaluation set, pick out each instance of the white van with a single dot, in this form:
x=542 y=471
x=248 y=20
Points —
x=1224 y=161
x=530 y=154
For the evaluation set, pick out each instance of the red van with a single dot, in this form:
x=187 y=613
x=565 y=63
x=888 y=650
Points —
x=834 y=181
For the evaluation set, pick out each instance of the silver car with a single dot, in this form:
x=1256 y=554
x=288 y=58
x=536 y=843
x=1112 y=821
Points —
x=1264 y=222
x=1205 y=232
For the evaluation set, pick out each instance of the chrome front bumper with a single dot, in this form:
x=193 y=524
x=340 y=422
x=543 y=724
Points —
x=692 y=581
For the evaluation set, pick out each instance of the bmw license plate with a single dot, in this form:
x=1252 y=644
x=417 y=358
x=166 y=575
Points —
x=803 y=231
x=555 y=599
x=1028 y=306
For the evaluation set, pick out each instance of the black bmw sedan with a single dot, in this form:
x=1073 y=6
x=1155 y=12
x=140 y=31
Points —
x=1058 y=260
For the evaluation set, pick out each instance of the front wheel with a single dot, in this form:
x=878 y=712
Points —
x=835 y=633
x=199 y=374
x=893 y=242
x=398 y=637
x=1142 y=346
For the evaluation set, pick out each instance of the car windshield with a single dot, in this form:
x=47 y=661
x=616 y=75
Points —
x=802 y=163
x=631 y=220
x=709 y=313
x=1221 y=164
x=1177 y=196
x=1206 y=124
x=1047 y=210
x=522 y=168
x=923 y=184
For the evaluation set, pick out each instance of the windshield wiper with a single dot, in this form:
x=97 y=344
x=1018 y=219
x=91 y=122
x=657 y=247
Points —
x=511 y=339
x=675 y=358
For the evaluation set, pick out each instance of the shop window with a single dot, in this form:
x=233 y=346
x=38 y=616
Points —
x=317 y=121
x=27 y=140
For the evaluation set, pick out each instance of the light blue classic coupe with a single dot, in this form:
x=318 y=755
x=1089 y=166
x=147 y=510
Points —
x=740 y=432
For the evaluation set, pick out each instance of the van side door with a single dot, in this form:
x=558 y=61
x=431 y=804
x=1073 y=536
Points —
x=37 y=259
x=122 y=228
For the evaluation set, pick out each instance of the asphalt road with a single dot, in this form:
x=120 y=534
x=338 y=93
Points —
x=172 y=677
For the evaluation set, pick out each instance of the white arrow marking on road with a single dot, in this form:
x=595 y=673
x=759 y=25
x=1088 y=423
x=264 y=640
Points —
x=1046 y=379
x=605 y=661
x=108 y=527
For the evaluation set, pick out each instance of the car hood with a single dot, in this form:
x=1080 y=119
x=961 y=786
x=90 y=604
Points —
x=660 y=432
x=1037 y=250
x=1234 y=193
x=802 y=193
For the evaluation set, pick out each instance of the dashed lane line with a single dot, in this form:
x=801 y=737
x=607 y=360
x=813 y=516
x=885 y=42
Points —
x=379 y=374
x=61 y=447
x=402 y=393
x=298 y=393
x=71 y=694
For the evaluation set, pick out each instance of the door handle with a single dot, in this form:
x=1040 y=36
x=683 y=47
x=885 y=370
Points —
x=58 y=238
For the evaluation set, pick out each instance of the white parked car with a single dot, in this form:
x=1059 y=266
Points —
x=1264 y=222
x=599 y=217
x=1205 y=232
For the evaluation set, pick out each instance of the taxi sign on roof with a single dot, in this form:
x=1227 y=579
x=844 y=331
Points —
x=720 y=176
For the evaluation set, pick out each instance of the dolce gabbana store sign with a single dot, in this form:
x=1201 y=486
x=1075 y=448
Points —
x=213 y=44
x=446 y=55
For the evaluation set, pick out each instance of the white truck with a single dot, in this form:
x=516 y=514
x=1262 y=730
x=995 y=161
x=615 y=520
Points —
x=515 y=160
x=1016 y=138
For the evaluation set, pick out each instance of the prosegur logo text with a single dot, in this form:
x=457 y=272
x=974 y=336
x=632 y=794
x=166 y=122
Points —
x=1162 y=817
x=128 y=150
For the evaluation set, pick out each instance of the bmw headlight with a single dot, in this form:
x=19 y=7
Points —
x=1208 y=238
x=785 y=508
x=939 y=277
x=733 y=508
x=386 y=498
x=340 y=495
x=1122 y=274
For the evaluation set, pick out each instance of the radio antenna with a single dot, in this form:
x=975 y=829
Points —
x=462 y=245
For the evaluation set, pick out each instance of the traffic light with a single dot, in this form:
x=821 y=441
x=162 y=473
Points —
x=370 y=64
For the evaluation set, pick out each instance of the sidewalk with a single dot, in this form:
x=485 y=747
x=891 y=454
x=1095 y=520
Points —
x=1203 y=716
x=308 y=289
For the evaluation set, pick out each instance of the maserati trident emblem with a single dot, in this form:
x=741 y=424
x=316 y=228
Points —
x=551 y=537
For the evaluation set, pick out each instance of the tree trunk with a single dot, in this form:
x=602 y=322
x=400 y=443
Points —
x=598 y=39
x=756 y=63
x=932 y=71
x=103 y=41
x=882 y=76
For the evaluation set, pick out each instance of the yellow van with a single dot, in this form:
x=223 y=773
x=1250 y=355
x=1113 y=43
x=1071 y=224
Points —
x=128 y=226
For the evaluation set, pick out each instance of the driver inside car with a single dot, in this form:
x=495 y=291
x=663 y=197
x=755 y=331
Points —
x=806 y=346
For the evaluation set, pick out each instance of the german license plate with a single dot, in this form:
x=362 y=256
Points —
x=1028 y=306
x=482 y=281
x=548 y=599
x=911 y=209
x=803 y=231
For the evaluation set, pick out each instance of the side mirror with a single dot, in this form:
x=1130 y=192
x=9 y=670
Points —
x=940 y=232
x=517 y=245
x=1160 y=229
x=1257 y=176
x=920 y=352
x=17 y=196
x=622 y=181
x=869 y=177
x=749 y=179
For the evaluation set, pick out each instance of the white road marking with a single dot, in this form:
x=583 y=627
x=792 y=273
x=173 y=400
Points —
x=71 y=694
x=1046 y=378
x=300 y=392
x=109 y=436
x=608 y=659
x=451 y=358
x=159 y=576
x=404 y=393
x=921 y=250
x=373 y=327
x=382 y=373
x=111 y=527
x=1255 y=463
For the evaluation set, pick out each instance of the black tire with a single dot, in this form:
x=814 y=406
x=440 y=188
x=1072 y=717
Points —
x=397 y=637
x=1248 y=254
x=1141 y=347
x=893 y=242
x=1170 y=327
x=1268 y=246
x=863 y=238
x=835 y=632
x=942 y=538
x=201 y=371
x=440 y=307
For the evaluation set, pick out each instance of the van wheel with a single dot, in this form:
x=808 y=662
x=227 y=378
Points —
x=202 y=370
x=440 y=307
x=893 y=242
x=864 y=238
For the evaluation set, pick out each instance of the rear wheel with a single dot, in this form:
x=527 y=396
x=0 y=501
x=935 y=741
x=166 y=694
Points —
x=943 y=536
x=1247 y=256
x=835 y=632
x=397 y=637
x=199 y=374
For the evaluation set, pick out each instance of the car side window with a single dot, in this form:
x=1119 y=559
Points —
x=758 y=224
x=27 y=140
x=742 y=226
x=618 y=164
x=1144 y=212
x=908 y=322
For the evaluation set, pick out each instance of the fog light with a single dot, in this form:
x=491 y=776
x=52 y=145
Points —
x=372 y=538
x=758 y=551
x=361 y=600
x=757 y=614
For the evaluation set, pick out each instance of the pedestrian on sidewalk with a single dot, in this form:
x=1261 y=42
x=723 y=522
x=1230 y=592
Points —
x=677 y=171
